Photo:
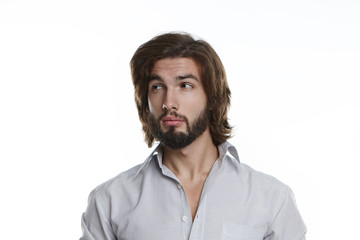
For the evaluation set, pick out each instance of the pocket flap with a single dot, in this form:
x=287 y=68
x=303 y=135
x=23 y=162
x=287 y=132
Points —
x=231 y=231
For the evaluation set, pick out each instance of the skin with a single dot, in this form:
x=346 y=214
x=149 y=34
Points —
x=177 y=84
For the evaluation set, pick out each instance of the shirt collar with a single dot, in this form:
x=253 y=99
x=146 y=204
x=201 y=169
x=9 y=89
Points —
x=228 y=149
x=224 y=149
x=157 y=151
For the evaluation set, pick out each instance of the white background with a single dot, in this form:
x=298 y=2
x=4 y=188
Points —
x=68 y=120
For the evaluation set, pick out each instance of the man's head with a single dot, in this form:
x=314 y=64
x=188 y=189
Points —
x=177 y=48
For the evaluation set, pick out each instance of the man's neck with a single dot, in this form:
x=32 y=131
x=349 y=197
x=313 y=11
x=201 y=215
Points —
x=194 y=160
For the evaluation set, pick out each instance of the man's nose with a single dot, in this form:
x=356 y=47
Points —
x=170 y=101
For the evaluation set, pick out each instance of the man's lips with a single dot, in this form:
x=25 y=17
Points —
x=171 y=121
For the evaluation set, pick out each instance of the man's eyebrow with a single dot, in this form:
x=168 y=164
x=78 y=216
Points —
x=182 y=77
x=155 y=77
x=178 y=78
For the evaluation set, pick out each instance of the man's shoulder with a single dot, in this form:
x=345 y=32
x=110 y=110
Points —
x=118 y=180
x=261 y=179
x=247 y=174
x=127 y=180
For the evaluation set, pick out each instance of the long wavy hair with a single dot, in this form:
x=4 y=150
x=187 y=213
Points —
x=213 y=77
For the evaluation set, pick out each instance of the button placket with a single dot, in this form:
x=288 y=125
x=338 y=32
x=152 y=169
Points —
x=184 y=218
x=185 y=214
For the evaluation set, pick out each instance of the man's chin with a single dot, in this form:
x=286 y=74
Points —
x=173 y=129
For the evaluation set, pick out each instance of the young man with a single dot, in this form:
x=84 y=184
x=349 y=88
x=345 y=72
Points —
x=193 y=185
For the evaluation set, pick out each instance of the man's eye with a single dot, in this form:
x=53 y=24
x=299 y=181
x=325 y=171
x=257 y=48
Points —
x=186 y=85
x=156 y=87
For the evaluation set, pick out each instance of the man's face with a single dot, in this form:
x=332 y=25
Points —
x=177 y=102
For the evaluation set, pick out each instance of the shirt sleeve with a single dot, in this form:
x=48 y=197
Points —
x=287 y=224
x=94 y=223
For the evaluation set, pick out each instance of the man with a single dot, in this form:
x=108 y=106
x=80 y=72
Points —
x=193 y=185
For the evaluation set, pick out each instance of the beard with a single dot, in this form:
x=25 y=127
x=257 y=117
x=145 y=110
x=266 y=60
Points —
x=175 y=139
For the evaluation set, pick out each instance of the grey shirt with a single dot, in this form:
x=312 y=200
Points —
x=148 y=202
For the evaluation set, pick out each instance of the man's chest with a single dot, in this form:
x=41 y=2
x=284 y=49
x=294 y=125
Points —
x=168 y=215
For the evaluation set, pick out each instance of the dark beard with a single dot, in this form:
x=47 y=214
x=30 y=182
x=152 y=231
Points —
x=178 y=140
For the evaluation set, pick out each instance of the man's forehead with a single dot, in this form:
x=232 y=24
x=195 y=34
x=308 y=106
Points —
x=176 y=64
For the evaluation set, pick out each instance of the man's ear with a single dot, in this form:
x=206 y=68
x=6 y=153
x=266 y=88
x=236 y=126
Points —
x=210 y=105
x=146 y=105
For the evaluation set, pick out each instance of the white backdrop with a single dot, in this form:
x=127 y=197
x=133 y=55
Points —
x=68 y=120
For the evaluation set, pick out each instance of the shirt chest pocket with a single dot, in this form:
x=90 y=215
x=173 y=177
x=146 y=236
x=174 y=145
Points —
x=232 y=231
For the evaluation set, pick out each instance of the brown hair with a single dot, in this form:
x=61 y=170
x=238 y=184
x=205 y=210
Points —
x=213 y=77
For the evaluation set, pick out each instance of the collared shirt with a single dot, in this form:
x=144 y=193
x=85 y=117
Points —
x=148 y=202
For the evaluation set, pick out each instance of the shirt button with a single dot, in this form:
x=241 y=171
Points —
x=184 y=218
x=179 y=186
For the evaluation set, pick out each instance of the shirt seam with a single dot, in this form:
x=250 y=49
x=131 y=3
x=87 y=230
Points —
x=100 y=207
x=280 y=204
